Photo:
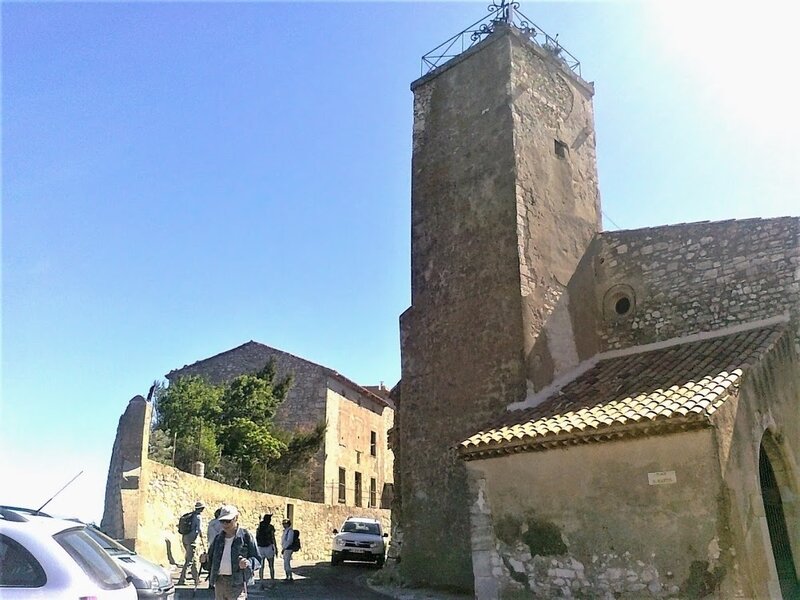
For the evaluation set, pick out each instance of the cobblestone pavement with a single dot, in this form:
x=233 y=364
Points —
x=320 y=581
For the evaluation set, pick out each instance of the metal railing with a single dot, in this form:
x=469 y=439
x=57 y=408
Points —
x=352 y=496
x=506 y=12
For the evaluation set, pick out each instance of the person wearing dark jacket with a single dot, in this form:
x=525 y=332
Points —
x=190 y=544
x=233 y=557
x=265 y=538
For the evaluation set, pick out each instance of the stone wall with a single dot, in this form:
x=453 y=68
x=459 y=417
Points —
x=591 y=522
x=491 y=202
x=306 y=405
x=617 y=536
x=684 y=279
x=124 y=472
x=762 y=418
x=558 y=201
x=352 y=420
x=144 y=499
x=465 y=301
x=167 y=493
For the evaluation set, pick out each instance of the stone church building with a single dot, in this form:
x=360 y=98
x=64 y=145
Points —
x=585 y=414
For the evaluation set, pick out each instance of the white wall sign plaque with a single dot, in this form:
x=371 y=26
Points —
x=661 y=478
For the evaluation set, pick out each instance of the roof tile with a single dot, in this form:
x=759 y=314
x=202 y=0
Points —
x=680 y=385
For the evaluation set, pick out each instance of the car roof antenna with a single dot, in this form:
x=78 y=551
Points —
x=38 y=510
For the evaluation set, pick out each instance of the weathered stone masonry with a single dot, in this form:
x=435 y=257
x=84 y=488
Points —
x=318 y=395
x=143 y=503
x=698 y=277
x=499 y=222
x=596 y=482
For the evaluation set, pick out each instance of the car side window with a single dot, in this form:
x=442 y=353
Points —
x=18 y=567
x=98 y=565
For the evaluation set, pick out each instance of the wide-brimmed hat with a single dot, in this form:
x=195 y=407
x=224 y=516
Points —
x=199 y=504
x=228 y=512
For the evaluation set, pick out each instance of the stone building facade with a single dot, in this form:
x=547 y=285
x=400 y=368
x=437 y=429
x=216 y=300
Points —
x=583 y=413
x=480 y=287
x=143 y=504
x=355 y=465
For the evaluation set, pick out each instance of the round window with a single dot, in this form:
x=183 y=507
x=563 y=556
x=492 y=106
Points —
x=619 y=303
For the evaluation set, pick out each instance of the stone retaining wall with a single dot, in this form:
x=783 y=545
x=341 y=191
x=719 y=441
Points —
x=145 y=499
x=167 y=493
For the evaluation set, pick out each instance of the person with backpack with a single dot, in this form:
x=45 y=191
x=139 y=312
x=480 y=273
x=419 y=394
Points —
x=290 y=543
x=265 y=538
x=190 y=528
x=233 y=556
x=214 y=528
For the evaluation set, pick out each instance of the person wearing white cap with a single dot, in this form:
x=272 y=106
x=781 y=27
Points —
x=288 y=548
x=189 y=539
x=233 y=557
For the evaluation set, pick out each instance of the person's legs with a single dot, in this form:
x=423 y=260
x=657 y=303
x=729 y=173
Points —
x=240 y=593
x=195 y=574
x=222 y=588
x=287 y=563
x=262 y=552
x=188 y=550
x=271 y=561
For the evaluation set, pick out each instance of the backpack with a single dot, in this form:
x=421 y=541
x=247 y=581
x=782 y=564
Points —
x=295 y=541
x=185 y=523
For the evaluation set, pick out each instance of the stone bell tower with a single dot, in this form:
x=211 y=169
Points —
x=504 y=204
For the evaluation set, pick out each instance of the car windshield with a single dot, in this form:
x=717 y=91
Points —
x=98 y=565
x=356 y=527
x=113 y=547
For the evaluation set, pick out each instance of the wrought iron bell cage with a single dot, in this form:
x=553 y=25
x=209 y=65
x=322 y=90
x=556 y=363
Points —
x=505 y=12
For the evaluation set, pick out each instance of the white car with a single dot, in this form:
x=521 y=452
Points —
x=45 y=558
x=360 y=539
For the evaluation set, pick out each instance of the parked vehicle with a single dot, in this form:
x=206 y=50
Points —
x=152 y=581
x=46 y=558
x=361 y=539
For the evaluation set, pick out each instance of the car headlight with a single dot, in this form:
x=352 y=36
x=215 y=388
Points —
x=373 y=544
x=154 y=585
x=338 y=542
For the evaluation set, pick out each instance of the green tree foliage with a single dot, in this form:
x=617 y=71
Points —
x=160 y=447
x=300 y=447
x=187 y=411
x=230 y=428
x=249 y=443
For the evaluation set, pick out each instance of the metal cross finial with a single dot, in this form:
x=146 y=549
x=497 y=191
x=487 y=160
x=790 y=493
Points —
x=503 y=11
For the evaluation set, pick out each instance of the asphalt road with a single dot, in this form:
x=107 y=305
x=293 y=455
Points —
x=312 y=581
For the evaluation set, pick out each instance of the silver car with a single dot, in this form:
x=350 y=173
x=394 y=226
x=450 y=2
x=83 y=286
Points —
x=152 y=581
x=42 y=558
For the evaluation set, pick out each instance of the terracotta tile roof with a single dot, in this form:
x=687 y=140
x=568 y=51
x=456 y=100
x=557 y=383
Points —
x=671 y=388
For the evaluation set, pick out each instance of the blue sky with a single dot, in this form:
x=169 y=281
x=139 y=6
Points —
x=181 y=178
